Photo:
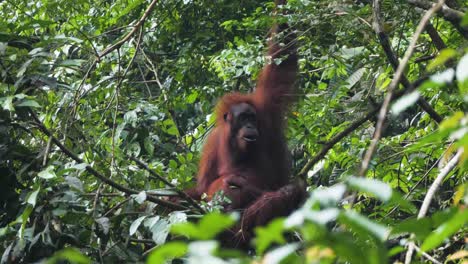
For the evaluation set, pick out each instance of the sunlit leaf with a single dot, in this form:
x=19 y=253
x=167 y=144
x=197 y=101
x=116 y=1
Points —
x=269 y=234
x=167 y=251
x=420 y=227
x=140 y=197
x=32 y=197
x=375 y=187
x=7 y=103
x=443 y=57
x=445 y=230
x=104 y=223
x=277 y=255
x=29 y=103
x=404 y=102
x=360 y=223
x=71 y=255
x=48 y=173
x=208 y=227
x=134 y=226
x=462 y=72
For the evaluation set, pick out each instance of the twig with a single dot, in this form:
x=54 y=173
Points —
x=96 y=173
x=132 y=32
x=430 y=194
x=145 y=166
x=117 y=206
x=334 y=140
x=396 y=79
x=386 y=45
x=451 y=15
x=143 y=241
x=353 y=126
x=429 y=257
x=102 y=194
x=109 y=50
x=448 y=13
x=46 y=152
x=424 y=58
x=407 y=195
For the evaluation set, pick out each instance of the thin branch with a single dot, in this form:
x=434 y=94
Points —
x=96 y=173
x=396 y=79
x=333 y=141
x=427 y=256
x=435 y=37
x=451 y=15
x=132 y=32
x=145 y=166
x=393 y=59
x=407 y=195
x=430 y=194
x=352 y=127
x=424 y=58
x=447 y=13
x=117 y=206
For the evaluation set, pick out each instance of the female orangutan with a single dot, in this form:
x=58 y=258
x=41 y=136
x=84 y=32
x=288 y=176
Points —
x=246 y=155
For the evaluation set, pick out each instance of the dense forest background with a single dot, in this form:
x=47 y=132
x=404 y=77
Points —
x=105 y=106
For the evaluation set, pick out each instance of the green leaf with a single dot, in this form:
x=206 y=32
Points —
x=74 y=183
x=70 y=255
x=208 y=227
x=329 y=196
x=149 y=146
x=464 y=22
x=104 y=223
x=277 y=255
x=404 y=102
x=462 y=73
x=23 y=68
x=48 y=173
x=134 y=226
x=7 y=103
x=345 y=247
x=187 y=229
x=360 y=223
x=160 y=231
x=443 y=57
x=452 y=122
x=32 y=197
x=272 y=233
x=140 y=197
x=29 y=103
x=374 y=187
x=23 y=219
x=71 y=63
x=167 y=252
x=170 y=127
x=192 y=97
x=445 y=230
x=420 y=227
x=355 y=77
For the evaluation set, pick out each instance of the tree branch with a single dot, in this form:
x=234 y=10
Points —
x=96 y=173
x=392 y=58
x=430 y=194
x=435 y=37
x=145 y=166
x=449 y=14
x=132 y=32
x=391 y=88
x=334 y=140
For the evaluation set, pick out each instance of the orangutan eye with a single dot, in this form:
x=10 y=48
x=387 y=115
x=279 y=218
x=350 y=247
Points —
x=225 y=116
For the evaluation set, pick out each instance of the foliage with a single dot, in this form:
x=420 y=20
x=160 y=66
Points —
x=77 y=194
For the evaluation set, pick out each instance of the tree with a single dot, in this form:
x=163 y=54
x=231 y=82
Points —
x=105 y=106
